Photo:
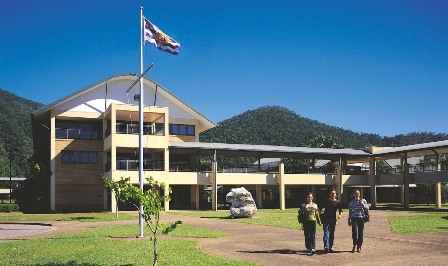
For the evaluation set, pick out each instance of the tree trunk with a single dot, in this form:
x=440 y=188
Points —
x=116 y=209
x=155 y=250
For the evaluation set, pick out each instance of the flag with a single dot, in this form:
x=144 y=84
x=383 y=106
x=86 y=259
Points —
x=157 y=37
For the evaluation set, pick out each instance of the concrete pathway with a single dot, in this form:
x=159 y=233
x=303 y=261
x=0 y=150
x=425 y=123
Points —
x=279 y=246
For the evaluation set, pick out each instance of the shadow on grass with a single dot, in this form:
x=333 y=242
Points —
x=70 y=263
x=78 y=218
x=415 y=208
x=218 y=217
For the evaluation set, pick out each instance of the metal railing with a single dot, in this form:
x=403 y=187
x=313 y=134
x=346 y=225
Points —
x=123 y=128
x=132 y=165
x=72 y=133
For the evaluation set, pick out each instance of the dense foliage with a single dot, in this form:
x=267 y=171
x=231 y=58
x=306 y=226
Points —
x=275 y=125
x=15 y=133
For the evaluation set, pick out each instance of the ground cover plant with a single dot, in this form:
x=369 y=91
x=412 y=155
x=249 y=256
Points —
x=422 y=222
x=112 y=245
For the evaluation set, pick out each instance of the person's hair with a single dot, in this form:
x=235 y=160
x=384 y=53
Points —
x=307 y=194
x=354 y=190
x=331 y=189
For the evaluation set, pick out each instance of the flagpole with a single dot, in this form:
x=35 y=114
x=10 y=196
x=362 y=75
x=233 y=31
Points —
x=140 y=117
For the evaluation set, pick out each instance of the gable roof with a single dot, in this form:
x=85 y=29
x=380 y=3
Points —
x=206 y=123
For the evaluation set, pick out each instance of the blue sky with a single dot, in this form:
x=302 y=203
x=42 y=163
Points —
x=368 y=66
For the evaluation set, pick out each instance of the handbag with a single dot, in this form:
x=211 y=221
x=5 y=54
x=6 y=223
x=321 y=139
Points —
x=365 y=215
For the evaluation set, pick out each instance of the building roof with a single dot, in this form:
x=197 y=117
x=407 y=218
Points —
x=267 y=151
x=148 y=82
x=430 y=148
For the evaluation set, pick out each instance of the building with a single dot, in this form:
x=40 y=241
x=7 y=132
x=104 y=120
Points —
x=94 y=132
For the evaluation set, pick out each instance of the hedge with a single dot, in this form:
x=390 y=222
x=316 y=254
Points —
x=9 y=207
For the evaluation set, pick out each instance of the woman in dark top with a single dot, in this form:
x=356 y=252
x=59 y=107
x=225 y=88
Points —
x=330 y=207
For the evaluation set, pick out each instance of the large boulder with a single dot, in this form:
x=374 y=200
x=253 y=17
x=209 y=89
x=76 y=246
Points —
x=243 y=205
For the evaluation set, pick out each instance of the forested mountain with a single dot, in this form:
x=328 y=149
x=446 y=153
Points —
x=15 y=132
x=268 y=125
x=275 y=125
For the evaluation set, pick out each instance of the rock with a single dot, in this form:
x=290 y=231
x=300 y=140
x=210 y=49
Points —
x=243 y=205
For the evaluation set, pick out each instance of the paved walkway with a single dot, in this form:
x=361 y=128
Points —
x=279 y=246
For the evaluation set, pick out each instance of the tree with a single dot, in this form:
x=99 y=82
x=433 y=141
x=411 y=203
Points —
x=119 y=189
x=152 y=201
x=322 y=141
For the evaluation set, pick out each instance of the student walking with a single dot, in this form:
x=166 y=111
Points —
x=310 y=212
x=329 y=208
x=357 y=212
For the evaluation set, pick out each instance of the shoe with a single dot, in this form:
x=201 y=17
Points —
x=353 y=249
x=313 y=251
x=358 y=250
x=326 y=250
x=331 y=250
x=308 y=250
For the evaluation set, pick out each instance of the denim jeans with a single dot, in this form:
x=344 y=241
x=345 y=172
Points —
x=309 y=229
x=357 y=231
x=329 y=227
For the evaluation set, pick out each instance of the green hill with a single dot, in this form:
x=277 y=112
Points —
x=275 y=125
x=15 y=132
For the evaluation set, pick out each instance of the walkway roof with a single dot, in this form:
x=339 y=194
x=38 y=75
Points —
x=430 y=148
x=267 y=151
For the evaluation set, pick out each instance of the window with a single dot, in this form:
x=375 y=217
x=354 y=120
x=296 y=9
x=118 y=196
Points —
x=78 y=130
x=90 y=157
x=179 y=129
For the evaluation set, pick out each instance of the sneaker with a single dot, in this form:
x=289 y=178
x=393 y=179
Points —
x=326 y=250
x=331 y=250
x=313 y=251
x=308 y=250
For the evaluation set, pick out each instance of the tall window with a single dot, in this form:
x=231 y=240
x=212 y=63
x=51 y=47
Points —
x=90 y=157
x=180 y=129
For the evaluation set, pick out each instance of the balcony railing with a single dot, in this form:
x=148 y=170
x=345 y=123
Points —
x=123 y=128
x=132 y=165
x=68 y=133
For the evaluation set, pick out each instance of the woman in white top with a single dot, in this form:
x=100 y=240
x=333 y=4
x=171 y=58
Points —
x=311 y=212
x=357 y=208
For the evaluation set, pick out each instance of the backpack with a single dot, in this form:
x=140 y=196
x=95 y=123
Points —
x=301 y=215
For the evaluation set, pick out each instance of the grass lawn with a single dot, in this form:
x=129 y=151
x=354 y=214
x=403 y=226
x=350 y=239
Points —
x=112 y=245
x=269 y=217
x=81 y=217
x=423 y=223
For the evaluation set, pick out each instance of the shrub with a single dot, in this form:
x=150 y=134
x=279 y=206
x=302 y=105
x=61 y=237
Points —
x=9 y=207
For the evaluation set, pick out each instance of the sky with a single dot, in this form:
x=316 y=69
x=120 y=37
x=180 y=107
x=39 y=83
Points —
x=376 y=67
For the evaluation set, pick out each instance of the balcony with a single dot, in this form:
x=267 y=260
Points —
x=82 y=134
x=157 y=129
x=132 y=165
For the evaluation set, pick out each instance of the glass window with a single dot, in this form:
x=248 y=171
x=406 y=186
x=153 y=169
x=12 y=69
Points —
x=79 y=157
x=186 y=130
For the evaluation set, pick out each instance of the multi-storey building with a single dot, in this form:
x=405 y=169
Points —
x=94 y=132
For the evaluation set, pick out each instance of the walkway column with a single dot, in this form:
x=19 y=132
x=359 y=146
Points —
x=166 y=193
x=406 y=181
x=197 y=196
x=259 y=198
x=340 y=181
x=372 y=173
x=438 y=187
x=214 y=186
x=281 y=185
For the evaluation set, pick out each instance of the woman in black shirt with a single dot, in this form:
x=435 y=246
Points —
x=330 y=206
